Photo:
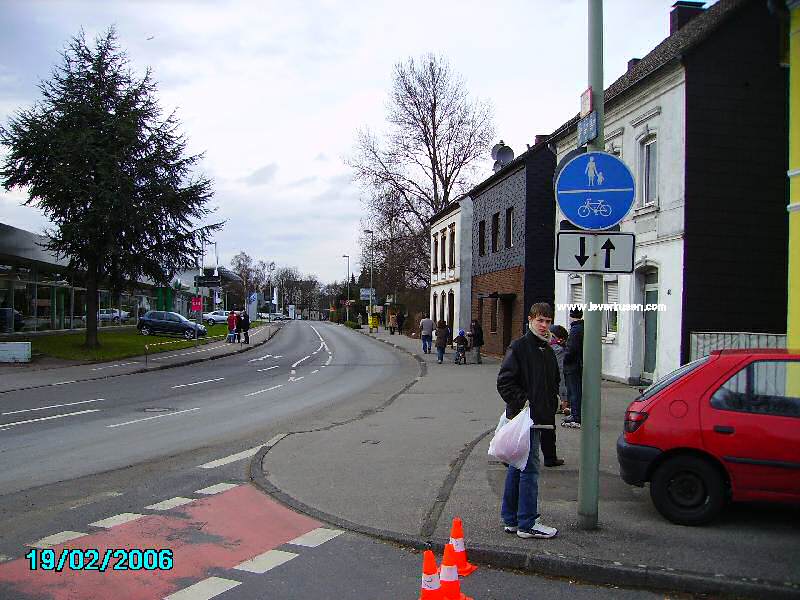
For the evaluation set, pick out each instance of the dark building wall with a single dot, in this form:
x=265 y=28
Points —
x=736 y=227
x=540 y=216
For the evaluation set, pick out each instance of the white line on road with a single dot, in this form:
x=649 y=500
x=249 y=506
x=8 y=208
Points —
x=315 y=371
x=168 y=504
x=301 y=360
x=260 y=358
x=186 y=353
x=314 y=538
x=80 y=412
x=133 y=362
x=266 y=561
x=116 y=520
x=274 y=387
x=330 y=358
x=267 y=369
x=216 y=489
x=197 y=382
x=14 y=412
x=64 y=382
x=232 y=458
x=204 y=590
x=296 y=378
x=155 y=417
x=57 y=538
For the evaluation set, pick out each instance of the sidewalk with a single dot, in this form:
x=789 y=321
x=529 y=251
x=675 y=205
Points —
x=15 y=377
x=402 y=473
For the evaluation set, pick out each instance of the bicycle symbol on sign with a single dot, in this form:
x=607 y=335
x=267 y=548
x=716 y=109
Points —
x=598 y=208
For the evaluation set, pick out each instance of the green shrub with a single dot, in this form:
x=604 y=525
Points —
x=352 y=324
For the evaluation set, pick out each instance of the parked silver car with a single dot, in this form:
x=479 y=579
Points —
x=217 y=316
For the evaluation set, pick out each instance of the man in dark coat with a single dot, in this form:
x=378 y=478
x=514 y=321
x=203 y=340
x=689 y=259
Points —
x=477 y=340
x=245 y=326
x=573 y=368
x=529 y=373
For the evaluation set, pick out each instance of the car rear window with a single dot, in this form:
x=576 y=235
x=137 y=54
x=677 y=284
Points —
x=671 y=378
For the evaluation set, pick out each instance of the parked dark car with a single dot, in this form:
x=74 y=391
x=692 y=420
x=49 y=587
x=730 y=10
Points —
x=724 y=427
x=159 y=321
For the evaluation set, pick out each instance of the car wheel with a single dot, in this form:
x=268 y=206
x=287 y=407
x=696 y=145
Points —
x=688 y=490
x=145 y=330
x=210 y=322
x=116 y=320
x=188 y=334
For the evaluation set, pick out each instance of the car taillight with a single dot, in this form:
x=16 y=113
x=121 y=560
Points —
x=634 y=420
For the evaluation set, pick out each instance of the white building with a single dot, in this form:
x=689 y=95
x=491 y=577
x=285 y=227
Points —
x=451 y=264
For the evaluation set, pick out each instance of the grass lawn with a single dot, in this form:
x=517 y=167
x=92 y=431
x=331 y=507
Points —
x=115 y=344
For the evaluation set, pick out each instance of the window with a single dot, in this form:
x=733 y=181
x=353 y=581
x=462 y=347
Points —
x=442 y=250
x=610 y=317
x=452 y=246
x=433 y=312
x=435 y=253
x=441 y=307
x=649 y=171
x=493 y=322
x=509 y=227
x=495 y=230
x=761 y=387
x=482 y=238
x=576 y=293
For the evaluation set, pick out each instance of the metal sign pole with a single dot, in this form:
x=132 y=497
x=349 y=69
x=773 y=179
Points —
x=589 y=474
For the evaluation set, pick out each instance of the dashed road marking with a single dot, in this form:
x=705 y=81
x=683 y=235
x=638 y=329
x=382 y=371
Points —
x=155 y=417
x=4 y=426
x=216 y=489
x=169 y=504
x=260 y=358
x=57 y=538
x=16 y=412
x=232 y=458
x=266 y=561
x=315 y=538
x=296 y=378
x=268 y=368
x=197 y=383
x=315 y=371
x=301 y=360
x=116 y=520
x=269 y=389
x=205 y=590
x=133 y=362
x=64 y=382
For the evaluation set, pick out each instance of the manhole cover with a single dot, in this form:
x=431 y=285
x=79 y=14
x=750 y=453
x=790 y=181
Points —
x=157 y=409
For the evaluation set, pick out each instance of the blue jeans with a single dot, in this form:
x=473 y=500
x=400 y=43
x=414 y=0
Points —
x=427 y=341
x=574 y=383
x=440 y=353
x=521 y=494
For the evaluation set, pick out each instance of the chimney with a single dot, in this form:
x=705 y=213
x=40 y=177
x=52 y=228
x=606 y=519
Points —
x=540 y=138
x=633 y=62
x=682 y=12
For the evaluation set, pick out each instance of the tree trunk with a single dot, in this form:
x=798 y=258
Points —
x=91 y=306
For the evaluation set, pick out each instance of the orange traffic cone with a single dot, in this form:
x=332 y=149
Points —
x=451 y=587
x=431 y=588
x=457 y=539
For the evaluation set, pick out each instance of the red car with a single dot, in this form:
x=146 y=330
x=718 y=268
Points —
x=724 y=427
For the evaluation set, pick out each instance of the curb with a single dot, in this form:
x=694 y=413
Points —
x=583 y=569
x=151 y=369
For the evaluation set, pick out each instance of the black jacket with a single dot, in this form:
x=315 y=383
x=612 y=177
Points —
x=573 y=359
x=244 y=324
x=530 y=372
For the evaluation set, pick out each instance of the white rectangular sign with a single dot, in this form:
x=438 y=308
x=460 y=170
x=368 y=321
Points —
x=15 y=352
x=595 y=252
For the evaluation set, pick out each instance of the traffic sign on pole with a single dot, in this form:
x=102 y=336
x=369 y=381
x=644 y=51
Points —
x=588 y=252
x=595 y=190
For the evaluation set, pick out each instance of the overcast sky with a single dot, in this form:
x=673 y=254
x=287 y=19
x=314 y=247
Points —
x=274 y=92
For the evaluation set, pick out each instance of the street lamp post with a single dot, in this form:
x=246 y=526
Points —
x=371 y=263
x=347 y=306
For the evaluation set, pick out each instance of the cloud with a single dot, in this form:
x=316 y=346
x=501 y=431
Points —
x=262 y=176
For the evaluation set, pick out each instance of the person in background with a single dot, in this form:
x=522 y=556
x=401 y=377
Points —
x=401 y=319
x=244 y=325
x=573 y=368
x=231 y=326
x=460 y=342
x=392 y=323
x=558 y=337
x=238 y=329
x=558 y=341
x=442 y=333
x=477 y=339
x=426 y=327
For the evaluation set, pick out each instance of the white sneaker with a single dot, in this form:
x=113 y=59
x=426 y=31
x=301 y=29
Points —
x=537 y=531
x=510 y=528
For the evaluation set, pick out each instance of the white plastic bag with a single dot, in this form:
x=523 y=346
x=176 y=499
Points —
x=512 y=440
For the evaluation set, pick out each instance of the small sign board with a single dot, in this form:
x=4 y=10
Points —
x=197 y=303
x=590 y=252
x=586 y=102
x=365 y=293
x=13 y=352
x=587 y=128
x=207 y=281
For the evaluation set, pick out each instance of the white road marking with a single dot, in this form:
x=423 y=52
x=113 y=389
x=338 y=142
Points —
x=274 y=387
x=95 y=498
x=301 y=360
x=315 y=371
x=323 y=366
x=314 y=538
x=216 y=489
x=186 y=353
x=232 y=458
x=155 y=417
x=197 y=383
x=296 y=378
x=204 y=590
x=271 y=442
x=80 y=412
x=57 y=538
x=168 y=504
x=16 y=412
x=260 y=358
x=330 y=358
x=266 y=561
x=317 y=332
x=133 y=362
x=64 y=382
x=268 y=368
x=116 y=520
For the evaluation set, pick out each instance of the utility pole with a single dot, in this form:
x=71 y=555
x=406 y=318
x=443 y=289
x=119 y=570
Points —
x=589 y=473
x=347 y=306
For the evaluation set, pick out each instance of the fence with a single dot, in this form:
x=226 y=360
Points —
x=703 y=343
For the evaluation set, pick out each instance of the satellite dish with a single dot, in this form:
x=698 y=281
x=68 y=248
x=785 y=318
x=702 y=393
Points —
x=502 y=155
x=496 y=148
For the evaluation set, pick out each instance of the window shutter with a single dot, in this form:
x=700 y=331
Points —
x=576 y=293
x=612 y=292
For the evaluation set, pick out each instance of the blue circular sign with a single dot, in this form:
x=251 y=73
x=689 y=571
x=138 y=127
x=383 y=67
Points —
x=595 y=190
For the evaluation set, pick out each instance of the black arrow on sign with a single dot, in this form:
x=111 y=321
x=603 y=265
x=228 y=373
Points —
x=582 y=257
x=608 y=247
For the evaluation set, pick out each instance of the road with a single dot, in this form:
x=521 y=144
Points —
x=160 y=460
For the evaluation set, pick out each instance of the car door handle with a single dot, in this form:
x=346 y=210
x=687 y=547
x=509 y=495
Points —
x=726 y=429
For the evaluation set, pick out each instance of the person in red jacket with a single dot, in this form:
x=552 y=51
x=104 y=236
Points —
x=231 y=325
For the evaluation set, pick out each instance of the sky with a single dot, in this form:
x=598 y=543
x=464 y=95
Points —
x=274 y=93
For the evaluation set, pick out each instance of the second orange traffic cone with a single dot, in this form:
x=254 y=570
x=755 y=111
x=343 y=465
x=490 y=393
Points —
x=457 y=539
x=451 y=587
x=431 y=588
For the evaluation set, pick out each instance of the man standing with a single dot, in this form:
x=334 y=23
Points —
x=477 y=339
x=529 y=373
x=573 y=368
x=426 y=327
x=245 y=326
x=401 y=319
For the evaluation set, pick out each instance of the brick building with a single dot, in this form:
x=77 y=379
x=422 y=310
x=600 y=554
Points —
x=512 y=245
